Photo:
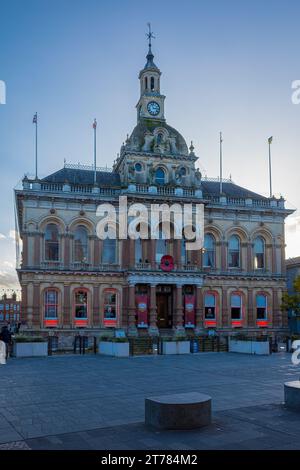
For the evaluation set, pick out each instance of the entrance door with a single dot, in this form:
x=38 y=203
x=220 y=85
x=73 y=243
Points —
x=162 y=302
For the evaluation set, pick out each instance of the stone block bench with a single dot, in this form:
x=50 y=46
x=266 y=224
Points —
x=292 y=395
x=178 y=411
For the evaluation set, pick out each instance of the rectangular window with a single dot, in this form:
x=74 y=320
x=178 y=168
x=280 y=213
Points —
x=236 y=307
x=261 y=307
x=51 y=304
x=210 y=307
x=81 y=309
x=110 y=306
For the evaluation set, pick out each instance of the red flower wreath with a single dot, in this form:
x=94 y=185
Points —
x=167 y=263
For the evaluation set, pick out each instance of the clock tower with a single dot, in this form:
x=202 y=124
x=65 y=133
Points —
x=151 y=102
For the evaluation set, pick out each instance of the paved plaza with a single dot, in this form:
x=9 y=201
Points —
x=96 y=402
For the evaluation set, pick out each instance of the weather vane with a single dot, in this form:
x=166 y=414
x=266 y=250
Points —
x=150 y=35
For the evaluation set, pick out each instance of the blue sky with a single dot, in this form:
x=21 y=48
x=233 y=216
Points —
x=226 y=65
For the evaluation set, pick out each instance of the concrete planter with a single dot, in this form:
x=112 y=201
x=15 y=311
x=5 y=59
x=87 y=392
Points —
x=110 y=348
x=176 y=347
x=249 y=347
x=30 y=349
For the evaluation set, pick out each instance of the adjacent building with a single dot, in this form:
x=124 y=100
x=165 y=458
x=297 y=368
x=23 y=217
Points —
x=10 y=309
x=293 y=271
x=73 y=280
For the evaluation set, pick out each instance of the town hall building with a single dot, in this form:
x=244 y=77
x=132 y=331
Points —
x=73 y=281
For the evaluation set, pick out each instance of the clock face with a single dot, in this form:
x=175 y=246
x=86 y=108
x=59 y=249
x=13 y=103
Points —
x=153 y=108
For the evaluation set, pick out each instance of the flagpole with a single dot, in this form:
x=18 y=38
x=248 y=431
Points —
x=221 y=164
x=36 y=151
x=270 y=140
x=95 y=151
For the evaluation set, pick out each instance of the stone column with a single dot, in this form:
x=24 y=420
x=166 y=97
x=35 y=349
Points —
x=96 y=308
x=199 y=258
x=144 y=250
x=283 y=266
x=36 y=317
x=153 y=330
x=37 y=250
x=249 y=257
x=177 y=253
x=25 y=250
x=276 y=318
x=124 y=307
x=67 y=240
x=24 y=304
x=132 y=329
x=29 y=312
x=179 y=310
x=131 y=253
x=66 y=307
x=224 y=256
x=225 y=313
x=251 y=317
x=125 y=253
x=283 y=314
x=274 y=261
x=199 y=310
x=152 y=255
x=96 y=255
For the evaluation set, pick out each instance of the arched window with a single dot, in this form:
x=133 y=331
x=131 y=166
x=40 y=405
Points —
x=261 y=307
x=81 y=304
x=138 y=167
x=182 y=171
x=234 y=252
x=109 y=251
x=160 y=176
x=209 y=251
x=259 y=253
x=152 y=83
x=236 y=306
x=146 y=83
x=210 y=306
x=51 y=243
x=51 y=304
x=81 y=244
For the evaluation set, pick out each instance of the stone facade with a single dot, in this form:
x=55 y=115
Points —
x=71 y=280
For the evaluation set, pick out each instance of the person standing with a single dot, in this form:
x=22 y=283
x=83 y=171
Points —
x=6 y=338
x=2 y=351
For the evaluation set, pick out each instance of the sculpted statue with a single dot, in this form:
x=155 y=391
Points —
x=131 y=173
x=151 y=175
x=198 y=177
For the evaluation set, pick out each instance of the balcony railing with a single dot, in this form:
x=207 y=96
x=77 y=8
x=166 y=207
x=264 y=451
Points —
x=152 y=190
x=75 y=266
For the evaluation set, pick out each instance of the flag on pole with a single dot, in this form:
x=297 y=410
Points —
x=270 y=140
x=34 y=120
x=94 y=124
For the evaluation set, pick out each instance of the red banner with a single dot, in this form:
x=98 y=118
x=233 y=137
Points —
x=189 y=310
x=142 y=310
x=51 y=322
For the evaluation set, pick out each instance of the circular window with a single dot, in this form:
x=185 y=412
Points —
x=138 y=167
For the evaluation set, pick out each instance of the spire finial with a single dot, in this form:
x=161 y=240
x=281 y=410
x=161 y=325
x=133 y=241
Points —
x=149 y=36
